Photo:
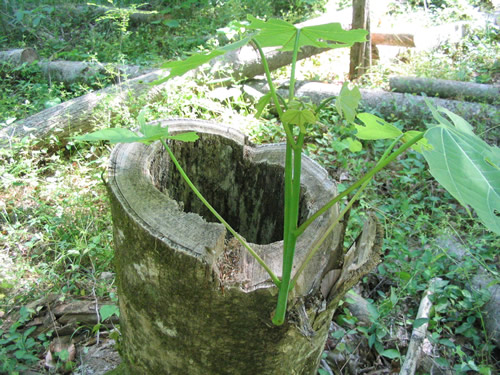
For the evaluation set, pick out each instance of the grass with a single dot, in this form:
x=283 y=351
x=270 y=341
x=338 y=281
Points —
x=55 y=224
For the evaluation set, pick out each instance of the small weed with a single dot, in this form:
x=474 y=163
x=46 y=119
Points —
x=19 y=351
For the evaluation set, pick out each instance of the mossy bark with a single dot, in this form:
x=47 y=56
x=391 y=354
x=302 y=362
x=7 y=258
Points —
x=192 y=300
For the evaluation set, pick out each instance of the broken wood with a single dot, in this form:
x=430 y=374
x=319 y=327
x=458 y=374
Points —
x=63 y=316
x=19 y=56
x=419 y=332
x=446 y=88
x=391 y=105
x=76 y=115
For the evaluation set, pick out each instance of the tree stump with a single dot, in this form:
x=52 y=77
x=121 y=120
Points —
x=191 y=299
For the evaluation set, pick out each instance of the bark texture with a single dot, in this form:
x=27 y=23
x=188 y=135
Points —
x=19 y=56
x=391 y=105
x=443 y=88
x=361 y=53
x=192 y=301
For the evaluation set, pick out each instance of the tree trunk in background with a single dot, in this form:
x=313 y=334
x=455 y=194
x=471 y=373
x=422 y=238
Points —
x=361 y=53
x=446 y=88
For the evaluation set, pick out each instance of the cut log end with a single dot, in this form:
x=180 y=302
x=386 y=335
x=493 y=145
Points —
x=19 y=56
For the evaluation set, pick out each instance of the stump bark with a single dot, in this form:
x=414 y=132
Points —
x=191 y=299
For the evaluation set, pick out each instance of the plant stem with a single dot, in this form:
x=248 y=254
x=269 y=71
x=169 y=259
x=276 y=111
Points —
x=274 y=278
x=291 y=90
x=339 y=217
x=274 y=95
x=358 y=183
x=293 y=167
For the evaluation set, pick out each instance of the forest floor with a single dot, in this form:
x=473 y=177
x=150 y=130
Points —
x=55 y=231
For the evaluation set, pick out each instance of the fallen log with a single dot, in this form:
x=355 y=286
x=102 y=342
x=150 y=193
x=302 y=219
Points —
x=135 y=16
x=393 y=105
x=446 y=88
x=76 y=115
x=73 y=71
x=418 y=335
x=19 y=56
x=87 y=72
x=401 y=40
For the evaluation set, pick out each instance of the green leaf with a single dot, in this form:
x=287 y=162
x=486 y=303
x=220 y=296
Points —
x=278 y=33
x=171 y=23
x=107 y=311
x=354 y=145
x=261 y=104
x=420 y=322
x=391 y=353
x=347 y=102
x=458 y=121
x=179 y=68
x=447 y=342
x=442 y=362
x=421 y=145
x=113 y=135
x=405 y=276
x=153 y=132
x=184 y=137
x=299 y=117
x=375 y=128
x=462 y=163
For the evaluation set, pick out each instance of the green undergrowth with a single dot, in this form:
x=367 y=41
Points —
x=55 y=224
x=418 y=217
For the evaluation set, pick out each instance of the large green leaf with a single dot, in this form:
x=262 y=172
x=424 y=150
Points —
x=348 y=101
x=179 y=68
x=375 y=128
x=151 y=133
x=467 y=167
x=278 y=33
x=113 y=135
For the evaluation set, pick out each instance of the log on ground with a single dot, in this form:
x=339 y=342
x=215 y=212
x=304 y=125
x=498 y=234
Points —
x=419 y=333
x=87 y=72
x=76 y=115
x=443 y=88
x=19 y=56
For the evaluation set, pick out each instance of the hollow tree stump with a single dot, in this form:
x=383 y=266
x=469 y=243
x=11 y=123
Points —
x=191 y=299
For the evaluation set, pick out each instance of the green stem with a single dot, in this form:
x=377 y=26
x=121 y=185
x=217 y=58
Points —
x=291 y=90
x=348 y=206
x=358 y=183
x=274 y=278
x=272 y=90
x=292 y=200
x=313 y=252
